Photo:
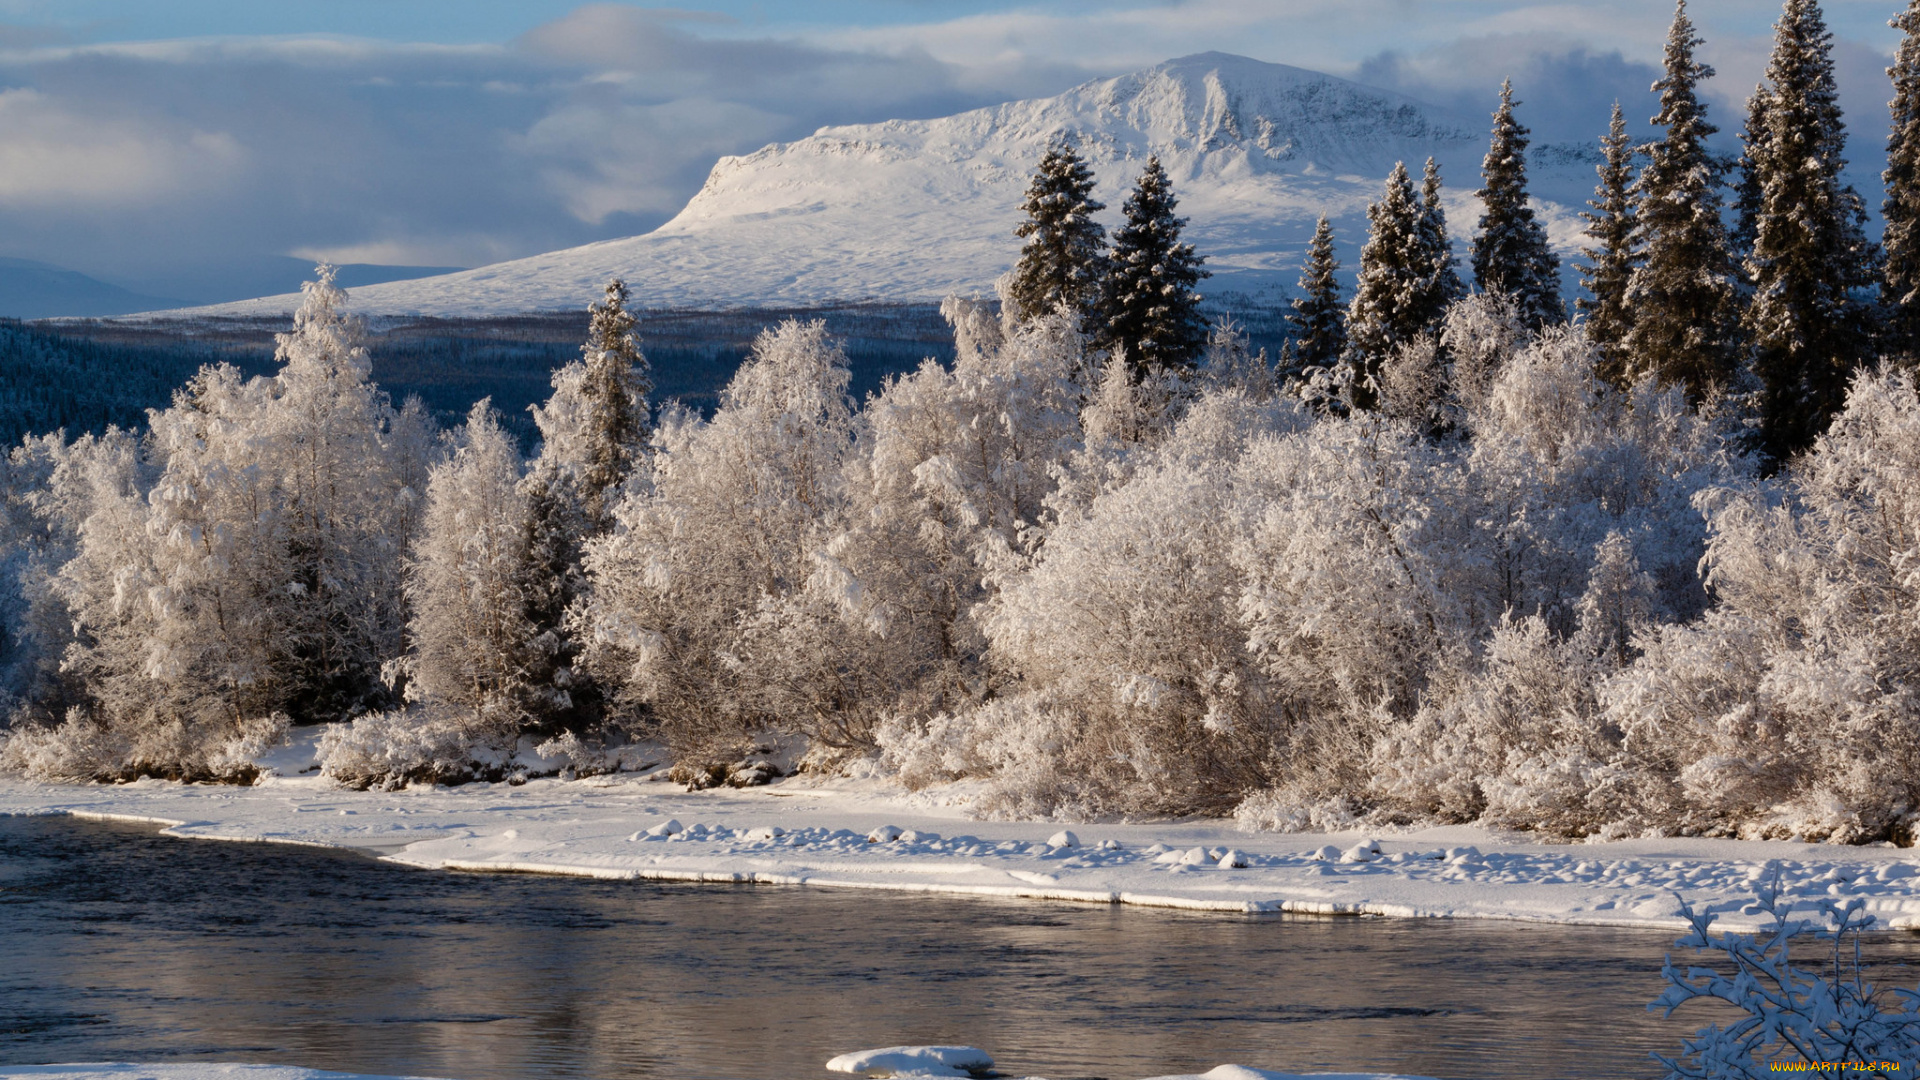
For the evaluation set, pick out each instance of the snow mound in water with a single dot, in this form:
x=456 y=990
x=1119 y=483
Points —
x=1241 y=1072
x=191 y=1070
x=904 y=1061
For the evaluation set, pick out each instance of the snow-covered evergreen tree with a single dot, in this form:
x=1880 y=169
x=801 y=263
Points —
x=1510 y=253
x=613 y=392
x=1747 y=197
x=1809 y=328
x=1685 y=292
x=1062 y=262
x=1900 y=275
x=1392 y=297
x=1318 y=317
x=1612 y=226
x=1150 y=308
x=469 y=632
x=1443 y=284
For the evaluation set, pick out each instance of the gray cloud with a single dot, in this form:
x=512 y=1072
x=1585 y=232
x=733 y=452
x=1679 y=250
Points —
x=1565 y=94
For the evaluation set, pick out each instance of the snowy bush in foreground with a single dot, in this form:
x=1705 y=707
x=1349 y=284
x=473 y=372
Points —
x=1794 y=1016
x=393 y=749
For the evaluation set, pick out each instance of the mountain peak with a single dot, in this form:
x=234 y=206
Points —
x=912 y=210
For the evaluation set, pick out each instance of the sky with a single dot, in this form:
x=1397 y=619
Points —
x=173 y=146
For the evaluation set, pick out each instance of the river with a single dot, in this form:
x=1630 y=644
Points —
x=119 y=944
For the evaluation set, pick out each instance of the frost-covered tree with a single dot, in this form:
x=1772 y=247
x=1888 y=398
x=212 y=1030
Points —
x=1150 y=307
x=1810 y=252
x=1391 y=294
x=1318 y=317
x=1443 y=284
x=1136 y=690
x=1747 y=196
x=1612 y=226
x=613 y=399
x=1062 y=261
x=1789 y=710
x=1510 y=252
x=1900 y=274
x=712 y=609
x=258 y=575
x=951 y=474
x=1685 y=291
x=1406 y=279
x=469 y=632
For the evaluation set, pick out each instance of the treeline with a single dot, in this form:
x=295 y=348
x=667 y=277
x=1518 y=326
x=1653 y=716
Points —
x=1771 y=317
x=1490 y=566
x=53 y=381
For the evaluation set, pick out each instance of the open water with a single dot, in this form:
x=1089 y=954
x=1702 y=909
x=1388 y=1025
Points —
x=117 y=944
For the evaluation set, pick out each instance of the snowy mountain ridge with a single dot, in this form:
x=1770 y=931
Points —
x=913 y=210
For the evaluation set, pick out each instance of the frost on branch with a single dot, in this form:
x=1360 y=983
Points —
x=1828 y=1014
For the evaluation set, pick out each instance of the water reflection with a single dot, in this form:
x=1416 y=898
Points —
x=117 y=944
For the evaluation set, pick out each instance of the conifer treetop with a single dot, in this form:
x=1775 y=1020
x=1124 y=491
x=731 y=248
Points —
x=1685 y=291
x=1510 y=254
x=1900 y=282
x=1151 y=307
x=615 y=387
x=1318 y=317
x=1613 y=254
x=1061 y=262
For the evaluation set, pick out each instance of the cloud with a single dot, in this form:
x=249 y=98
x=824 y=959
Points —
x=1565 y=93
x=56 y=154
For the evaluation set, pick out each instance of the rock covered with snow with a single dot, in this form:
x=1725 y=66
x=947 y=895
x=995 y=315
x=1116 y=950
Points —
x=907 y=1061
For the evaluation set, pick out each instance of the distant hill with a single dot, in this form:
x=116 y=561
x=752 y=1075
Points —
x=36 y=290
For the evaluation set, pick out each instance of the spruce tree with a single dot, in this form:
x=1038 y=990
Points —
x=1510 y=255
x=1150 y=307
x=1394 y=296
x=1810 y=252
x=1900 y=276
x=615 y=391
x=1443 y=285
x=1061 y=263
x=1610 y=261
x=1746 y=186
x=1684 y=294
x=556 y=694
x=1319 y=319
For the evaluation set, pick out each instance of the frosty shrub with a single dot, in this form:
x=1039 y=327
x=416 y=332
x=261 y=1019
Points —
x=81 y=749
x=1824 y=1015
x=1789 y=709
x=391 y=750
x=715 y=605
x=950 y=474
x=1136 y=690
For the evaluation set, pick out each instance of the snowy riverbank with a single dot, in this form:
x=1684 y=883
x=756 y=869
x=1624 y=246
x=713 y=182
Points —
x=874 y=835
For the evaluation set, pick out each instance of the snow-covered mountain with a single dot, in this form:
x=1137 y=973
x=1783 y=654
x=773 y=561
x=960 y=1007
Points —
x=915 y=210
